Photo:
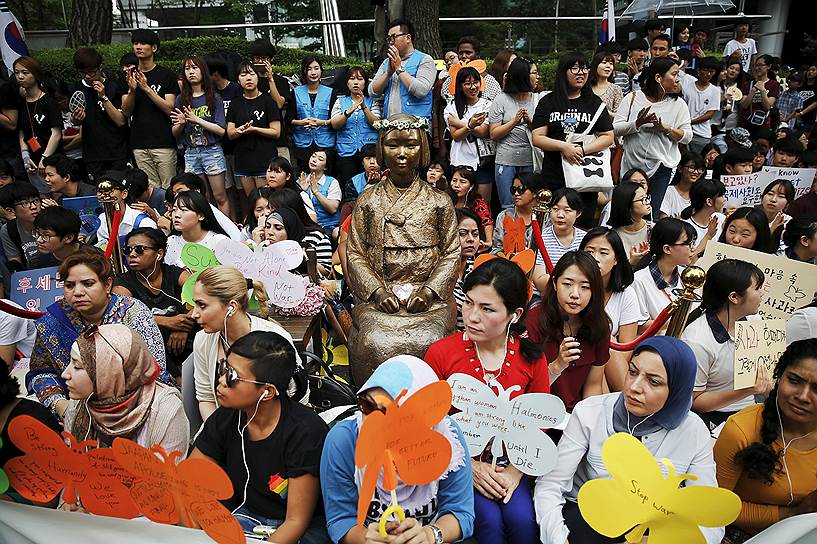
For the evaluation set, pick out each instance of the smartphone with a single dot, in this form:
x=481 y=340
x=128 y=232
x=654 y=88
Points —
x=259 y=67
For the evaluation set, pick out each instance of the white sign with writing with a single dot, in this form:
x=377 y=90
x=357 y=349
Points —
x=517 y=423
x=789 y=284
x=747 y=189
x=270 y=265
x=758 y=342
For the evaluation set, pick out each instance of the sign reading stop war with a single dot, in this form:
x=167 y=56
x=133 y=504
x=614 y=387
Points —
x=757 y=343
x=747 y=189
x=789 y=284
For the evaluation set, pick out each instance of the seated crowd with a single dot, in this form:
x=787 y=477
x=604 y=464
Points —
x=219 y=152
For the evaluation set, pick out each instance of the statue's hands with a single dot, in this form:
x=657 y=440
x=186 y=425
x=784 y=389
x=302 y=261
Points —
x=386 y=301
x=420 y=301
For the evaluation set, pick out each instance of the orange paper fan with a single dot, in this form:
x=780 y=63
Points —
x=479 y=65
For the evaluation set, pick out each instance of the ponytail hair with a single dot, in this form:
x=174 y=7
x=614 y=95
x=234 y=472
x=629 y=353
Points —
x=700 y=193
x=226 y=284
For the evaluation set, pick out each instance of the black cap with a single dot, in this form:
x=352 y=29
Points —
x=117 y=179
x=143 y=35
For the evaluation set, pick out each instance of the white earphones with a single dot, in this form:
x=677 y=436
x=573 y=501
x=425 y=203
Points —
x=265 y=394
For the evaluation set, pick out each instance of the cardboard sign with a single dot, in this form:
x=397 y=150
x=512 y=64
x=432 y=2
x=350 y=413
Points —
x=88 y=210
x=186 y=493
x=50 y=466
x=404 y=438
x=271 y=266
x=515 y=423
x=757 y=342
x=640 y=498
x=37 y=289
x=789 y=284
x=747 y=189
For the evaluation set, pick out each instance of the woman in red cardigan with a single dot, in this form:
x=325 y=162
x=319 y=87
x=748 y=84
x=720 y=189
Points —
x=491 y=348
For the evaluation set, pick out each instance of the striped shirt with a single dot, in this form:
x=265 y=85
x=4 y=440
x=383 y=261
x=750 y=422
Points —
x=318 y=241
x=459 y=294
x=555 y=248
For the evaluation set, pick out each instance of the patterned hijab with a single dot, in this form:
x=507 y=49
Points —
x=123 y=372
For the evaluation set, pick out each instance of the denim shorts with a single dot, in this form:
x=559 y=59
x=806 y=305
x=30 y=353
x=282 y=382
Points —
x=207 y=160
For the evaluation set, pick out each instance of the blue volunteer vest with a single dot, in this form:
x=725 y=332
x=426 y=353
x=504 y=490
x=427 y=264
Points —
x=421 y=107
x=359 y=182
x=321 y=136
x=356 y=132
x=325 y=219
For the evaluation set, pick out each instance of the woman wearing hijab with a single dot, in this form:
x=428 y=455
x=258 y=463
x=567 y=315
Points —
x=441 y=511
x=654 y=407
x=114 y=392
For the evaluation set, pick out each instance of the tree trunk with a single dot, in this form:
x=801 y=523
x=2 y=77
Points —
x=91 y=22
x=425 y=14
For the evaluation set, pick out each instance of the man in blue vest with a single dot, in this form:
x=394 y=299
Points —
x=406 y=77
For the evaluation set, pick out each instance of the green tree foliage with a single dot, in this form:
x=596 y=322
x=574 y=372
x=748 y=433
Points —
x=40 y=14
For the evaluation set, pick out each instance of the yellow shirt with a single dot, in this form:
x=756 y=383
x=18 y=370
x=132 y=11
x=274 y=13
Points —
x=761 y=502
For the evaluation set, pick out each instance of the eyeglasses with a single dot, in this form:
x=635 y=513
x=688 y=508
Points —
x=518 y=189
x=646 y=199
x=393 y=37
x=139 y=250
x=222 y=369
x=694 y=170
x=30 y=202
x=579 y=68
x=471 y=84
x=39 y=235
x=89 y=73
x=688 y=243
x=367 y=406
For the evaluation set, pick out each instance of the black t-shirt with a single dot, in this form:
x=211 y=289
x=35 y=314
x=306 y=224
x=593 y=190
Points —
x=9 y=139
x=809 y=94
x=159 y=303
x=150 y=126
x=560 y=120
x=38 y=118
x=293 y=449
x=228 y=93
x=285 y=91
x=102 y=140
x=253 y=151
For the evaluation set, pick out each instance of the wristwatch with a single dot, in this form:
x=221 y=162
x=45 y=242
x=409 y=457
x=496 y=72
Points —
x=438 y=534
x=399 y=71
x=104 y=98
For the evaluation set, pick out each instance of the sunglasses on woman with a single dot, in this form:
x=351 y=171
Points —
x=518 y=189
x=139 y=250
x=232 y=377
x=367 y=406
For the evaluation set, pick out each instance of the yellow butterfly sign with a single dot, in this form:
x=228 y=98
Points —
x=640 y=498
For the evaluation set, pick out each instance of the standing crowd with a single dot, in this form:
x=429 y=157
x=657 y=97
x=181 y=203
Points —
x=218 y=151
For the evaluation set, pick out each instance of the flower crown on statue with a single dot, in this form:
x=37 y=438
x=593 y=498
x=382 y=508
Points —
x=402 y=124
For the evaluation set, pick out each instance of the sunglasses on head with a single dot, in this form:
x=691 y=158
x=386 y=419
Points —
x=139 y=250
x=231 y=374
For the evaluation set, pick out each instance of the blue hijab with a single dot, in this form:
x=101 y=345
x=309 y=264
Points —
x=679 y=361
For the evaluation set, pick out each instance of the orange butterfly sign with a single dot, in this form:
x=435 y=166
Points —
x=479 y=65
x=514 y=240
x=50 y=466
x=187 y=492
x=403 y=441
x=524 y=259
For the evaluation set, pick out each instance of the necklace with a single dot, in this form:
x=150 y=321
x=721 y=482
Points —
x=489 y=375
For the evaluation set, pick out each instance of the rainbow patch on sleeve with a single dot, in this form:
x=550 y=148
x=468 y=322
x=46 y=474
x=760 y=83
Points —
x=279 y=485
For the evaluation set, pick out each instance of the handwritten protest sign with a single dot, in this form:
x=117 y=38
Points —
x=188 y=492
x=757 y=342
x=37 y=289
x=270 y=265
x=516 y=422
x=639 y=498
x=402 y=440
x=198 y=257
x=747 y=189
x=789 y=284
x=49 y=466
